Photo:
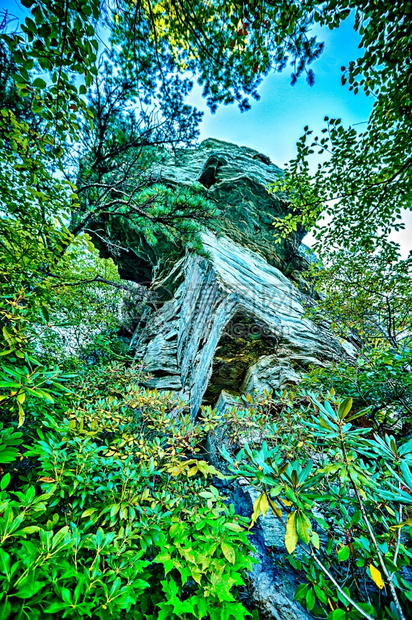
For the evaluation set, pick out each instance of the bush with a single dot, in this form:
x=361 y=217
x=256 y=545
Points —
x=116 y=516
x=346 y=509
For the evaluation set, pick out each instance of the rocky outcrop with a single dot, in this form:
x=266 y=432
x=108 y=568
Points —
x=231 y=318
x=235 y=179
x=235 y=322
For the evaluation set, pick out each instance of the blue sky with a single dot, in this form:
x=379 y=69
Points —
x=275 y=123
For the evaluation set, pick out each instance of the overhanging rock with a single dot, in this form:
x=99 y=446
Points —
x=234 y=309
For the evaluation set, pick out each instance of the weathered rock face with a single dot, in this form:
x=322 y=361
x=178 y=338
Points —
x=236 y=179
x=235 y=322
x=230 y=320
x=233 y=318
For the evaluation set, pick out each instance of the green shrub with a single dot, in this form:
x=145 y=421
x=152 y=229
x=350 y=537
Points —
x=346 y=510
x=116 y=516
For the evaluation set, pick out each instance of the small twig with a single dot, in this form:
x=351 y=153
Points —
x=323 y=568
x=398 y=542
x=99 y=280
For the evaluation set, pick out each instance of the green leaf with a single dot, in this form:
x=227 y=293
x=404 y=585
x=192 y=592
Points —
x=303 y=527
x=5 y=480
x=301 y=591
x=310 y=599
x=88 y=512
x=320 y=594
x=228 y=552
x=30 y=529
x=315 y=540
x=344 y=408
x=55 y=607
x=8 y=455
x=59 y=536
x=30 y=24
x=343 y=554
x=291 y=537
x=234 y=527
x=174 y=529
x=338 y=614
x=196 y=574
x=4 y=562
x=39 y=83
x=45 y=314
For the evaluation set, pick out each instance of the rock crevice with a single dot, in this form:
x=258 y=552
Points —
x=233 y=296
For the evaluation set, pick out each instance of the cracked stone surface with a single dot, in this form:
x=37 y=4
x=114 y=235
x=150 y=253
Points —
x=235 y=310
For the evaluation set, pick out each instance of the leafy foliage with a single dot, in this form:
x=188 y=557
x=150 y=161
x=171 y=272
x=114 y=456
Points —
x=345 y=509
x=352 y=202
x=106 y=513
x=365 y=180
x=106 y=508
x=228 y=45
x=365 y=297
x=57 y=39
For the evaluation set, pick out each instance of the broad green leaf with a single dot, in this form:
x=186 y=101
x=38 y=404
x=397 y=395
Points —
x=88 y=512
x=228 y=552
x=344 y=408
x=310 y=599
x=30 y=529
x=343 y=554
x=315 y=540
x=8 y=455
x=59 y=536
x=196 y=574
x=5 y=479
x=291 y=537
x=301 y=591
x=4 y=562
x=338 y=614
x=303 y=527
x=234 y=527
x=39 y=83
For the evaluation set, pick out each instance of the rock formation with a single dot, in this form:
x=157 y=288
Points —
x=230 y=319
x=233 y=317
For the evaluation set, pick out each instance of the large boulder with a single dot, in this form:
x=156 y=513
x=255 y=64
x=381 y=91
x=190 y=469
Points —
x=232 y=318
x=236 y=180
